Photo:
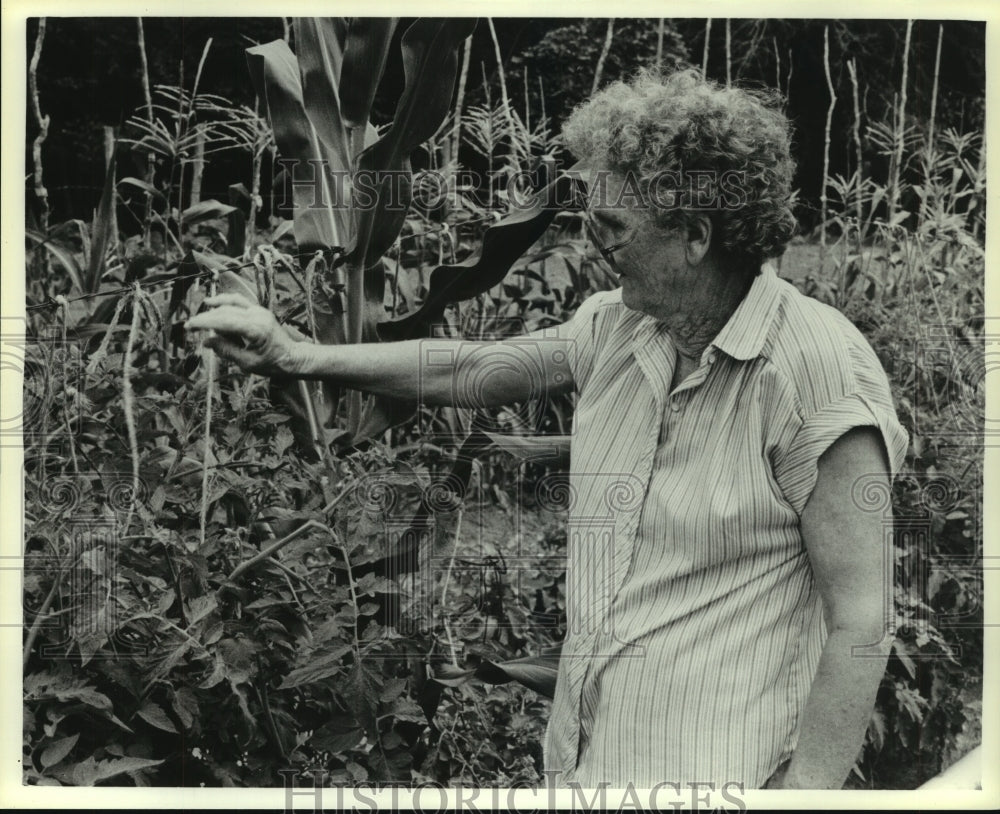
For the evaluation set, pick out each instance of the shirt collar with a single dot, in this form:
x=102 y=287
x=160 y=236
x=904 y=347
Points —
x=743 y=336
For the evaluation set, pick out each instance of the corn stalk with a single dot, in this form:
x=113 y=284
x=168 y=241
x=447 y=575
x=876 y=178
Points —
x=777 y=64
x=704 y=55
x=110 y=140
x=456 y=132
x=729 y=53
x=198 y=167
x=605 y=50
x=41 y=193
x=504 y=98
x=897 y=162
x=788 y=79
x=856 y=135
x=826 y=146
x=934 y=87
x=929 y=152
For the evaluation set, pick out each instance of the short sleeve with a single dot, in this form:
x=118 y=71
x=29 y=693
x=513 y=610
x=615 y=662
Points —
x=581 y=332
x=796 y=470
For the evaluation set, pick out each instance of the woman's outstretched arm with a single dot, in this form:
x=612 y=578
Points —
x=452 y=372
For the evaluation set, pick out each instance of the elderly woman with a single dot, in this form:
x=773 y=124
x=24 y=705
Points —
x=727 y=600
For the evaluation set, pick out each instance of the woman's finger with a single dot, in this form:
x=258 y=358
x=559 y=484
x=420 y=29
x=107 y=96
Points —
x=224 y=318
x=296 y=334
x=229 y=299
x=228 y=349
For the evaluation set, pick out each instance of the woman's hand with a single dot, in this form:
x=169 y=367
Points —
x=250 y=336
x=777 y=780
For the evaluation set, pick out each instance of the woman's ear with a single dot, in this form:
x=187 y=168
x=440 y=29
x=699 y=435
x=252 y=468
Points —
x=699 y=238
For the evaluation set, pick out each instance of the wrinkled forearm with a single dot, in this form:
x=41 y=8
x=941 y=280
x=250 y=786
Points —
x=436 y=372
x=838 y=710
x=390 y=369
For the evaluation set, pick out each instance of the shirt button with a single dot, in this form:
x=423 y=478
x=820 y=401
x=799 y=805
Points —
x=675 y=405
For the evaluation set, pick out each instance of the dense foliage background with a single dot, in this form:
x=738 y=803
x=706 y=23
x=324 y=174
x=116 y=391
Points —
x=162 y=647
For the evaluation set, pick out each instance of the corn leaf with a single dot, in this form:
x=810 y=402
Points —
x=368 y=40
x=430 y=66
x=275 y=73
x=319 y=44
x=61 y=255
x=380 y=414
x=503 y=244
x=538 y=673
x=144 y=186
x=205 y=210
x=102 y=237
x=533 y=448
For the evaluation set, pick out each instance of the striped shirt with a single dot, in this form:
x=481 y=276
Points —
x=694 y=623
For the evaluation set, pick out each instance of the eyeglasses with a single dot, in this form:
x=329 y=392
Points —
x=608 y=252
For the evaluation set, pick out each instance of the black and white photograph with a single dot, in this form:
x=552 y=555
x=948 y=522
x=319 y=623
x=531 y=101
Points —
x=489 y=411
